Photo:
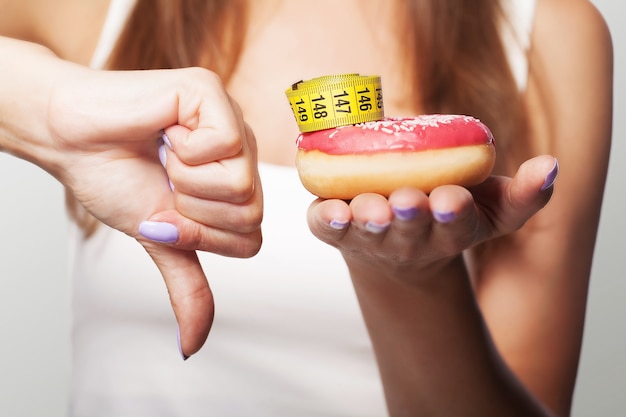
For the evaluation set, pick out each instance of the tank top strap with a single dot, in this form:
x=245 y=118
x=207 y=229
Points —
x=516 y=33
x=118 y=13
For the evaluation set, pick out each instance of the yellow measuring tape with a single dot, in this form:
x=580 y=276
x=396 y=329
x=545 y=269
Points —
x=336 y=100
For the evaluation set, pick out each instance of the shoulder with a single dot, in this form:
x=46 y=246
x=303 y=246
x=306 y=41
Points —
x=18 y=19
x=570 y=30
x=571 y=64
x=564 y=12
x=67 y=27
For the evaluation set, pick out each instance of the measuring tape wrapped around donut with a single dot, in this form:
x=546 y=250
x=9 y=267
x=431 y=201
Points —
x=348 y=147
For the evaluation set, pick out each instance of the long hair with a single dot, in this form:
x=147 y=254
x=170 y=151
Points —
x=466 y=68
x=182 y=33
x=462 y=65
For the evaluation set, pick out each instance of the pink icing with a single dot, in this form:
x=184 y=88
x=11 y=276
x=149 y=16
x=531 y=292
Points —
x=419 y=133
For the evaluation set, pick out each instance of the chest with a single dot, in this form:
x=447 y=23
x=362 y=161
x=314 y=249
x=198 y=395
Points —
x=302 y=40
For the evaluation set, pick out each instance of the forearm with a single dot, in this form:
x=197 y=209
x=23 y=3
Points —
x=434 y=352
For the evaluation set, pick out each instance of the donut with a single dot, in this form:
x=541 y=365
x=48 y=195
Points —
x=381 y=156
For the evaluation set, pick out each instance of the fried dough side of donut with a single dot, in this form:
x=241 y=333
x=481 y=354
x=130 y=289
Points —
x=345 y=176
x=422 y=152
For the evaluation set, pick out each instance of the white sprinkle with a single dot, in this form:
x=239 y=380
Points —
x=410 y=124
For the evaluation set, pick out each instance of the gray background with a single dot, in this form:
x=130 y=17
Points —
x=34 y=297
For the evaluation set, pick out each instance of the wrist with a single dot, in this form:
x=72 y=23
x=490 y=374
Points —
x=424 y=276
x=34 y=73
x=438 y=295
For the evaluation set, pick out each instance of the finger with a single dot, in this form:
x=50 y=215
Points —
x=449 y=202
x=203 y=145
x=509 y=203
x=225 y=194
x=329 y=220
x=233 y=179
x=172 y=229
x=189 y=292
x=455 y=219
x=532 y=185
x=210 y=123
x=411 y=212
x=241 y=218
x=371 y=213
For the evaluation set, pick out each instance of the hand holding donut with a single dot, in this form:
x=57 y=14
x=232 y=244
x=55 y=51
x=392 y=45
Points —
x=400 y=236
x=420 y=189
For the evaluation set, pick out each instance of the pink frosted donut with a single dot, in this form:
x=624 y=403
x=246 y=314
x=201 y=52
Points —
x=422 y=152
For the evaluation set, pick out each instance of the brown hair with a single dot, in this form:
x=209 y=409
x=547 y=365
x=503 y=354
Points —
x=182 y=33
x=465 y=71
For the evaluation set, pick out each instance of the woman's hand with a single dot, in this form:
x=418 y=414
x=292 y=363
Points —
x=101 y=134
x=404 y=236
x=405 y=258
x=208 y=199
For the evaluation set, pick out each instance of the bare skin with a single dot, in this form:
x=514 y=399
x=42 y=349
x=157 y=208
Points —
x=500 y=333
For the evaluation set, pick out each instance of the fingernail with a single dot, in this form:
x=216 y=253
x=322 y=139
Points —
x=444 y=216
x=376 y=227
x=162 y=155
x=405 y=213
x=180 y=348
x=338 y=224
x=166 y=140
x=163 y=159
x=159 y=231
x=551 y=177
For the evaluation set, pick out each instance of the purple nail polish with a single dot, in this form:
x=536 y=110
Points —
x=376 y=227
x=159 y=231
x=405 y=214
x=551 y=177
x=338 y=224
x=180 y=348
x=162 y=155
x=444 y=217
x=166 y=140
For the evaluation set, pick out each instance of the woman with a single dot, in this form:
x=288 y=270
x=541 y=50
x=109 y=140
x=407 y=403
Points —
x=468 y=302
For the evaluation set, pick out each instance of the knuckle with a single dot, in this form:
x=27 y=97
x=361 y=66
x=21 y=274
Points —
x=254 y=217
x=404 y=257
x=246 y=219
x=249 y=245
x=244 y=242
x=232 y=141
x=242 y=186
x=203 y=75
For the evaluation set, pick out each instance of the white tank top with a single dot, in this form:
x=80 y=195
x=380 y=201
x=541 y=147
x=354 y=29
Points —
x=288 y=337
